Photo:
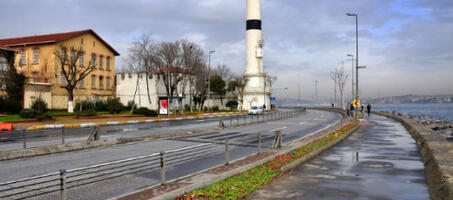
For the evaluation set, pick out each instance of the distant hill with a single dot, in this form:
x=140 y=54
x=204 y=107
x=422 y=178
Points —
x=435 y=99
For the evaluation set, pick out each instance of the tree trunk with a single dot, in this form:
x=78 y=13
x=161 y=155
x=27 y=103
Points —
x=133 y=98
x=147 y=89
x=70 y=99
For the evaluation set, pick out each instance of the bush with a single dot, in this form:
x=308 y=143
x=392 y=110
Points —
x=86 y=113
x=187 y=107
x=101 y=106
x=232 y=104
x=114 y=105
x=130 y=104
x=215 y=108
x=84 y=105
x=39 y=106
x=10 y=105
x=145 y=111
x=27 y=113
x=43 y=116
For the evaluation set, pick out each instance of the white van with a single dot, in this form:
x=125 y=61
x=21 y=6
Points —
x=256 y=110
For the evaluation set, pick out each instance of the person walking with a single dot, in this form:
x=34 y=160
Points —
x=347 y=110
x=351 y=108
x=361 y=109
x=368 y=109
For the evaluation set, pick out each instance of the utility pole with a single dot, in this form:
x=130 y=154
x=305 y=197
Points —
x=209 y=76
x=352 y=75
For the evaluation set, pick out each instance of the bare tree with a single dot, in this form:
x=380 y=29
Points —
x=72 y=72
x=341 y=78
x=193 y=60
x=239 y=83
x=333 y=76
x=225 y=72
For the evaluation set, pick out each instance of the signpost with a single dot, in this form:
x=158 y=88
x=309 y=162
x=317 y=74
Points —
x=356 y=103
x=163 y=107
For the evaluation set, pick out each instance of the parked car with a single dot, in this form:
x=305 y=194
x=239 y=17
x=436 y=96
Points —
x=256 y=110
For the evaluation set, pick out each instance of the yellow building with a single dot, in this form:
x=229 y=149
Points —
x=36 y=60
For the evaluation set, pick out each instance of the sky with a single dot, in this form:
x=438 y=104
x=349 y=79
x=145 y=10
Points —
x=406 y=45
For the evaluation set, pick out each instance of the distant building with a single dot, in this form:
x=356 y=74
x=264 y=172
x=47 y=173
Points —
x=128 y=84
x=36 y=61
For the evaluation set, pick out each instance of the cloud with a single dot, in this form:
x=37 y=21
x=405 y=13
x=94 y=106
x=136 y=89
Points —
x=406 y=45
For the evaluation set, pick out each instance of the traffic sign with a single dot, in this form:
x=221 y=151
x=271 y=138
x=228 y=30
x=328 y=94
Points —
x=273 y=99
x=356 y=103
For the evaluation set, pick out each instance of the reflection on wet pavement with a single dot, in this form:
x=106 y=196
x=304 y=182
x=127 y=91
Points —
x=379 y=161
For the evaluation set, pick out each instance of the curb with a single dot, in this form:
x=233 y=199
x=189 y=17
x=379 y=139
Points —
x=436 y=152
x=112 y=123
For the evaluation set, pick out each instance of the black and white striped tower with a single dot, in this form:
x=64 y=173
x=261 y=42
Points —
x=256 y=93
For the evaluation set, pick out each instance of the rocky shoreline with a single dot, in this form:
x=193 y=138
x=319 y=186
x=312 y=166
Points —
x=442 y=127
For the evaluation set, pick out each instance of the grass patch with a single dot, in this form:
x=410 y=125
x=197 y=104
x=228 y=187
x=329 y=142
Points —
x=242 y=184
x=12 y=118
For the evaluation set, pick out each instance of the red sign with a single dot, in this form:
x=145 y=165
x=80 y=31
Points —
x=163 y=109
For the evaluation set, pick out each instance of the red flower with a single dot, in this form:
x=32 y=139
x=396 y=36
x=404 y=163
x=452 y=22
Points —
x=243 y=191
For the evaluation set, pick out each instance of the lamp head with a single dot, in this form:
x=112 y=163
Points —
x=351 y=14
x=212 y=51
x=350 y=55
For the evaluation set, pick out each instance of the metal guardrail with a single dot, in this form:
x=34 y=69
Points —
x=67 y=179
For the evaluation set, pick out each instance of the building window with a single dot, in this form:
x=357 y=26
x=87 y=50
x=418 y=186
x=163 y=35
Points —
x=35 y=77
x=35 y=55
x=101 y=82
x=122 y=76
x=81 y=83
x=63 y=78
x=2 y=85
x=107 y=63
x=81 y=40
x=81 y=59
x=22 y=57
x=101 y=60
x=63 y=54
x=93 y=60
x=3 y=63
x=73 y=58
x=93 y=81
x=107 y=83
x=129 y=75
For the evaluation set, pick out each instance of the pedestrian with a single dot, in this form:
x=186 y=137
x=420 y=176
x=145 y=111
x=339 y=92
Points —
x=351 y=108
x=368 y=109
x=347 y=110
x=361 y=109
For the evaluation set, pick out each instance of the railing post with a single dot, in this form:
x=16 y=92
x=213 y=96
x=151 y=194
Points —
x=237 y=120
x=62 y=135
x=62 y=184
x=24 y=137
x=277 y=139
x=162 y=168
x=221 y=124
x=227 y=153
x=259 y=143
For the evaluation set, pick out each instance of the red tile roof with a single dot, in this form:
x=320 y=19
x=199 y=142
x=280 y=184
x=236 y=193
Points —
x=50 y=38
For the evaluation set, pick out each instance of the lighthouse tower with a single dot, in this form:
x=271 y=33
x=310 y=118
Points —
x=256 y=92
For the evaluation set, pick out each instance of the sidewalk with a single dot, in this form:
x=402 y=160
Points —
x=72 y=122
x=379 y=161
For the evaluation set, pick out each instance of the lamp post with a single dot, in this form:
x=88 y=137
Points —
x=352 y=76
x=209 y=75
x=316 y=92
x=356 y=52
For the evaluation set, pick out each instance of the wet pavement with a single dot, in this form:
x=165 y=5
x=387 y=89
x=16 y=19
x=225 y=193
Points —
x=378 y=161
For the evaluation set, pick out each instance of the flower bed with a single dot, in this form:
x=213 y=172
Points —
x=242 y=184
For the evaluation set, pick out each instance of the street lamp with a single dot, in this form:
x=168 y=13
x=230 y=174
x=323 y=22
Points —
x=316 y=92
x=209 y=75
x=352 y=76
x=356 y=52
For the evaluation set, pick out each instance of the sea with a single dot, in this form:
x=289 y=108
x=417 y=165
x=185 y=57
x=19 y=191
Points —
x=436 y=111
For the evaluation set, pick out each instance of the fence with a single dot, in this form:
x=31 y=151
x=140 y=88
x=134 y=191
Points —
x=58 y=183
x=23 y=139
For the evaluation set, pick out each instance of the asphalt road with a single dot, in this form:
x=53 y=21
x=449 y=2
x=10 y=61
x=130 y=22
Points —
x=379 y=161
x=15 y=139
x=114 y=181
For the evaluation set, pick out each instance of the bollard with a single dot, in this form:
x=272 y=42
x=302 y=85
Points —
x=221 y=124
x=227 y=153
x=62 y=184
x=24 y=139
x=237 y=120
x=277 y=139
x=162 y=168
x=231 y=121
x=62 y=135
x=96 y=134
x=259 y=143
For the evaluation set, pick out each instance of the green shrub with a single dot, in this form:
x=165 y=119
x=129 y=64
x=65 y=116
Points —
x=114 y=105
x=39 y=106
x=215 y=108
x=86 y=113
x=10 y=105
x=84 y=105
x=43 y=116
x=101 y=105
x=187 y=107
x=145 y=111
x=232 y=104
x=27 y=113
x=130 y=104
